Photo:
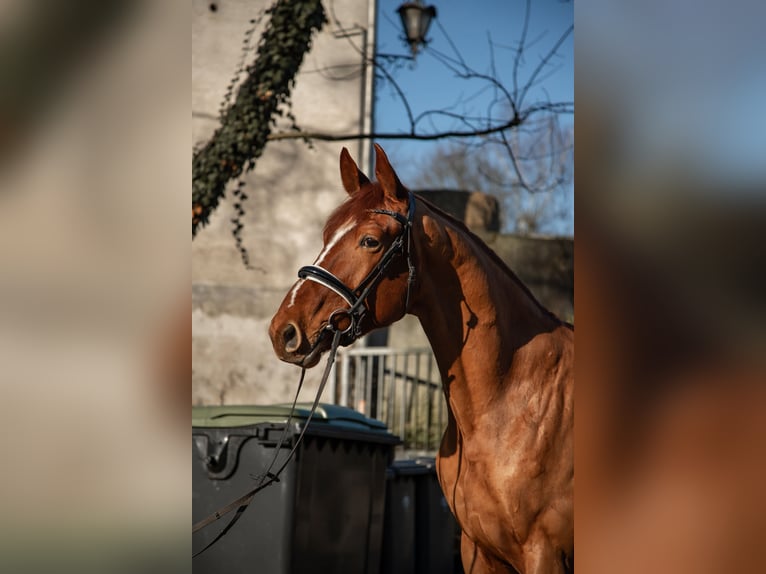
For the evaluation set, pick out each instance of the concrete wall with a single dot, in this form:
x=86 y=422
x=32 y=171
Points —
x=544 y=264
x=479 y=211
x=291 y=192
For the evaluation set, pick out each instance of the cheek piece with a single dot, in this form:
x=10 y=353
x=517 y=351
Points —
x=349 y=321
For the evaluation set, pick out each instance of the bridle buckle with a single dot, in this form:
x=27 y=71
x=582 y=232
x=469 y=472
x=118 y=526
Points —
x=337 y=319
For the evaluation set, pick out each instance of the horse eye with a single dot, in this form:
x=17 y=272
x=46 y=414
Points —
x=369 y=242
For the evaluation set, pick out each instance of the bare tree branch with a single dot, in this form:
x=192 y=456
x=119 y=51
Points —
x=529 y=170
x=514 y=114
x=558 y=108
x=544 y=61
x=520 y=50
x=402 y=97
x=514 y=162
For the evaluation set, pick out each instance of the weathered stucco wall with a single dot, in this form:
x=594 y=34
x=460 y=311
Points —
x=544 y=264
x=291 y=192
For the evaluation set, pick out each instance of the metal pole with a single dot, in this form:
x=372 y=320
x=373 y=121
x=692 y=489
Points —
x=403 y=408
x=333 y=383
x=416 y=389
x=344 y=380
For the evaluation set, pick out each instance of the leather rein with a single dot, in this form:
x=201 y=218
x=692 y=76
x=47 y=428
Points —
x=356 y=298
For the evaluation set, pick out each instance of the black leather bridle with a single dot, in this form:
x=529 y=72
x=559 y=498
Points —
x=356 y=298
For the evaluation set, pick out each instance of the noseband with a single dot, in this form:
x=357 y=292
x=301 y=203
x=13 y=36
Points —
x=357 y=298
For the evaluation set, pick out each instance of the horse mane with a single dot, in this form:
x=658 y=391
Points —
x=460 y=226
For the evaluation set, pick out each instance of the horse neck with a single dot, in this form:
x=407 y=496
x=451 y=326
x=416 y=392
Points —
x=477 y=315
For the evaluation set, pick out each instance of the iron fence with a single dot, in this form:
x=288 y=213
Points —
x=400 y=387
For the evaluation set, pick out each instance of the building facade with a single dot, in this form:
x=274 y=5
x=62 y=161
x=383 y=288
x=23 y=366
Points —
x=290 y=194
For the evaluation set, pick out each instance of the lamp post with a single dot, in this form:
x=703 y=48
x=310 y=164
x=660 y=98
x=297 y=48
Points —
x=416 y=18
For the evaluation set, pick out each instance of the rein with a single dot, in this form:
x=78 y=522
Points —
x=268 y=477
x=356 y=298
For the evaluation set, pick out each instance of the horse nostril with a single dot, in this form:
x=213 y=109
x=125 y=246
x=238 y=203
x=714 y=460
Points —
x=291 y=337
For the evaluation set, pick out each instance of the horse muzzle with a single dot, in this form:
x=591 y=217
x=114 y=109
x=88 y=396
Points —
x=291 y=344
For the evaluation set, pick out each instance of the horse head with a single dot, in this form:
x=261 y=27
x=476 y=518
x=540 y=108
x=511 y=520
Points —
x=362 y=277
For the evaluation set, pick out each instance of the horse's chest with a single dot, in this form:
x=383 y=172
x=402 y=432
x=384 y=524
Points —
x=495 y=498
x=485 y=503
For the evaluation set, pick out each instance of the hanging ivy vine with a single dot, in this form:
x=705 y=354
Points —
x=263 y=95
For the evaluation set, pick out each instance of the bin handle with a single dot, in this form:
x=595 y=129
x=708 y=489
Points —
x=220 y=456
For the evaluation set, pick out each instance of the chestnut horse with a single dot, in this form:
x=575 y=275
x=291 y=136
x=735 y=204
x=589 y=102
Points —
x=505 y=462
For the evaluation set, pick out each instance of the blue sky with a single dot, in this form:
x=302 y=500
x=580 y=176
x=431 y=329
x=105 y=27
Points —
x=429 y=85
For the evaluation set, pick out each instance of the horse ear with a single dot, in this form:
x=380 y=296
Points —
x=387 y=176
x=352 y=177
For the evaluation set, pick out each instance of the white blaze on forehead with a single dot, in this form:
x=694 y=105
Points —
x=337 y=236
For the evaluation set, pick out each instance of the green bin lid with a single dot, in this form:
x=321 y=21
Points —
x=246 y=415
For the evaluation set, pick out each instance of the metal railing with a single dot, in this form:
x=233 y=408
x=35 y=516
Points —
x=400 y=387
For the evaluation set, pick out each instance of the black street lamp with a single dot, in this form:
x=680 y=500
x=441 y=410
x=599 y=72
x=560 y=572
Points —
x=416 y=19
